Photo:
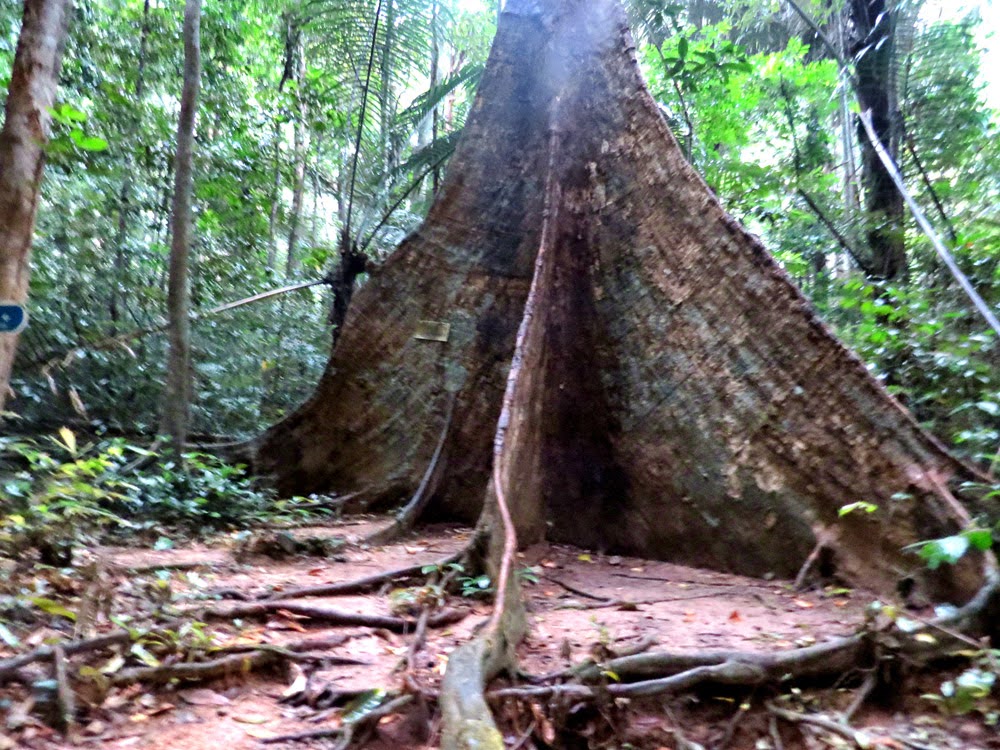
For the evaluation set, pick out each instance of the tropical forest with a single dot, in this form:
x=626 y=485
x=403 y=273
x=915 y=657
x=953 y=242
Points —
x=500 y=374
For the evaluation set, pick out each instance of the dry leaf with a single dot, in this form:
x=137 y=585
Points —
x=299 y=681
x=259 y=733
x=735 y=616
x=162 y=709
x=251 y=719
x=803 y=604
x=204 y=697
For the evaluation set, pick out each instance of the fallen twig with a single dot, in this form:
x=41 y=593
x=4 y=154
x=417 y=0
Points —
x=331 y=616
x=247 y=659
x=65 y=698
x=362 y=585
x=607 y=600
x=9 y=667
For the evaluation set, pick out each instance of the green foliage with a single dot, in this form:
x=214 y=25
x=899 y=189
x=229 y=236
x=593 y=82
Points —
x=951 y=549
x=58 y=494
x=102 y=240
x=967 y=692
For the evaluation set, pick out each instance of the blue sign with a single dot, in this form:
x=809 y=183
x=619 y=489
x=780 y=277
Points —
x=13 y=317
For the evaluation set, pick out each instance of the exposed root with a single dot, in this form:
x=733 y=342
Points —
x=9 y=667
x=728 y=673
x=262 y=657
x=350 y=731
x=331 y=616
x=864 y=692
x=858 y=738
x=363 y=585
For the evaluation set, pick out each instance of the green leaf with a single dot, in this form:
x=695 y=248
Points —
x=142 y=654
x=163 y=543
x=52 y=607
x=88 y=142
x=947 y=550
x=682 y=47
x=861 y=506
x=981 y=539
x=363 y=705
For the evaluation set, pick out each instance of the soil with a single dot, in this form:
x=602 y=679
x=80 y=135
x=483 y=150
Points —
x=581 y=604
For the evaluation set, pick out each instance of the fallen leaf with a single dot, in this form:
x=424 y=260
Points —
x=204 y=697
x=316 y=572
x=803 y=604
x=259 y=733
x=689 y=617
x=93 y=729
x=299 y=681
x=735 y=616
x=286 y=624
x=162 y=709
x=585 y=558
x=549 y=564
x=251 y=719
x=637 y=570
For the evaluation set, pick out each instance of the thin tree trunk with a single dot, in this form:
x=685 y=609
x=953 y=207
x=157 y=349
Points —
x=385 y=78
x=873 y=23
x=272 y=217
x=435 y=76
x=33 y=82
x=119 y=275
x=301 y=157
x=177 y=397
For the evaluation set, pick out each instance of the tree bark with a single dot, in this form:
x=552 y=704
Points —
x=873 y=25
x=177 y=395
x=675 y=396
x=32 y=92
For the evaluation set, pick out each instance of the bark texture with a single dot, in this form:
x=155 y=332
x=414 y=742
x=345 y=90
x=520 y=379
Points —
x=177 y=396
x=33 y=82
x=673 y=394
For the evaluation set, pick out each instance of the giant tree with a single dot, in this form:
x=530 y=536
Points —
x=580 y=344
x=32 y=92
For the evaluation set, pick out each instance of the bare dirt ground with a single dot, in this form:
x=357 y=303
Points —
x=581 y=605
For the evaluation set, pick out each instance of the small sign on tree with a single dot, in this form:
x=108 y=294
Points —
x=13 y=317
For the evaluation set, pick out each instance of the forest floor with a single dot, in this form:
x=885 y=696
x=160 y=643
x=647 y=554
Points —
x=581 y=605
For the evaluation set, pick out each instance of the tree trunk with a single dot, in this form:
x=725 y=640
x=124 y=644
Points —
x=672 y=394
x=120 y=268
x=177 y=396
x=33 y=82
x=873 y=25
x=301 y=156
